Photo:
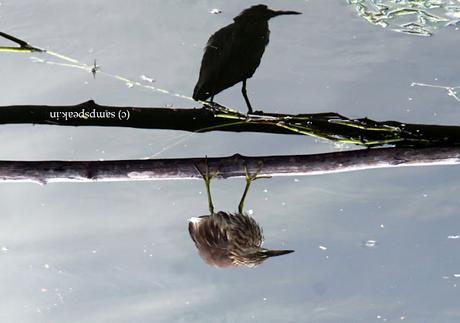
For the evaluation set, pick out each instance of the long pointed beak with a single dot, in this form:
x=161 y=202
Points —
x=275 y=253
x=281 y=12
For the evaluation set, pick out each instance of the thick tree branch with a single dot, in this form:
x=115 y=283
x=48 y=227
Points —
x=331 y=126
x=233 y=166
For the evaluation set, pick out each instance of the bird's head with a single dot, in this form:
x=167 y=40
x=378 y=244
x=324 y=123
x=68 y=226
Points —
x=261 y=13
x=257 y=256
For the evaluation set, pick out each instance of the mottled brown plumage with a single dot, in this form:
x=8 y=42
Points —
x=229 y=240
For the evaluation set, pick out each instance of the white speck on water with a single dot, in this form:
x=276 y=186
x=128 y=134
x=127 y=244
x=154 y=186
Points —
x=215 y=11
x=264 y=299
x=265 y=191
x=187 y=302
x=93 y=251
x=296 y=180
x=129 y=85
x=457 y=275
x=4 y=249
x=46 y=266
x=250 y=212
x=37 y=60
x=453 y=237
x=147 y=79
x=322 y=247
x=410 y=99
x=382 y=226
x=370 y=243
x=283 y=203
x=340 y=210
x=425 y=195
x=43 y=290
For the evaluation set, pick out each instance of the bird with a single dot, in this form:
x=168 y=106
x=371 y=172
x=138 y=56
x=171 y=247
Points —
x=233 y=53
x=226 y=239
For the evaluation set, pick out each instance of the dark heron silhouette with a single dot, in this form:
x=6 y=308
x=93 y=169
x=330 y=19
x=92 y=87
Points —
x=229 y=240
x=233 y=53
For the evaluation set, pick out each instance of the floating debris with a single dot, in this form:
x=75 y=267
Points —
x=322 y=247
x=414 y=17
x=453 y=237
x=94 y=69
x=451 y=90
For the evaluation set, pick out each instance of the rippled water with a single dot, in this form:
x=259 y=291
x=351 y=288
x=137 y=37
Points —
x=371 y=246
x=417 y=17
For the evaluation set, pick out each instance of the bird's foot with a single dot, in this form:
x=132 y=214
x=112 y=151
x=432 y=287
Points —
x=249 y=179
x=257 y=113
x=206 y=174
x=214 y=107
x=252 y=177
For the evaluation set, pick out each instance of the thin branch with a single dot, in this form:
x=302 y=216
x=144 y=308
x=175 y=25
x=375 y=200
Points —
x=23 y=45
x=233 y=166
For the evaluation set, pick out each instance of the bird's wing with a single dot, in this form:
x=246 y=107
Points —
x=215 y=59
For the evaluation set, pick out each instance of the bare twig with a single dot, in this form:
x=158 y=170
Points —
x=234 y=166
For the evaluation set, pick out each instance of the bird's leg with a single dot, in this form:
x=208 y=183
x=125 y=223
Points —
x=245 y=95
x=207 y=180
x=249 y=179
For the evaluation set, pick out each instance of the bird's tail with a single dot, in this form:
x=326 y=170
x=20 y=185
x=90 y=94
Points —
x=199 y=94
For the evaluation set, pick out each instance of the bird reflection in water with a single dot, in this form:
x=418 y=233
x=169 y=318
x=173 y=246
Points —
x=229 y=239
x=233 y=53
